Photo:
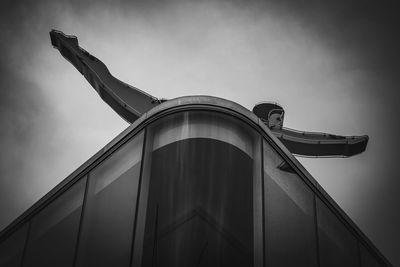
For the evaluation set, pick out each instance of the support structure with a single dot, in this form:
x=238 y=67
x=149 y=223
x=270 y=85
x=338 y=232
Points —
x=130 y=103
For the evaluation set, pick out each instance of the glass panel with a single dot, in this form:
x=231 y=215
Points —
x=337 y=246
x=289 y=203
x=367 y=260
x=12 y=248
x=53 y=234
x=200 y=207
x=109 y=214
x=200 y=125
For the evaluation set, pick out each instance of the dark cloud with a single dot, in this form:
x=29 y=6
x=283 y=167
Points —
x=25 y=120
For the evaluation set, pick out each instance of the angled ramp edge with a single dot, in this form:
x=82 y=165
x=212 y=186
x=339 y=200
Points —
x=128 y=101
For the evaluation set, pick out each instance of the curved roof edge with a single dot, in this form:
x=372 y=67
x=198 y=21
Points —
x=192 y=103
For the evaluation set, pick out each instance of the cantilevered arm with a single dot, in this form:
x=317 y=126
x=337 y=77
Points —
x=129 y=102
x=308 y=144
x=311 y=144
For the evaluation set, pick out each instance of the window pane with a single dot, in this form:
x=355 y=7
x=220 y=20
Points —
x=53 y=234
x=108 y=220
x=337 y=246
x=12 y=248
x=200 y=201
x=290 y=227
x=367 y=260
x=200 y=125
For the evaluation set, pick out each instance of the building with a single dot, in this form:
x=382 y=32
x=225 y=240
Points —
x=195 y=181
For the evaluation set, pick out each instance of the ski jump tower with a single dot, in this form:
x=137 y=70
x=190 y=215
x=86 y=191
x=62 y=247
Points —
x=193 y=181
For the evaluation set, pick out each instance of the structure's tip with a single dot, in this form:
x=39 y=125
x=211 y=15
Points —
x=56 y=36
x=270 y=113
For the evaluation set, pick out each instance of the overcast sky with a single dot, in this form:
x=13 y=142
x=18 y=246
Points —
x=333 y=66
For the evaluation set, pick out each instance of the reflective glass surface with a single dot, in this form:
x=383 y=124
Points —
x=108 y=219
x=367 y=260
x=200 y=205
x=337 y=246
x=54 y=231
x=289 y=215
x=11 y=249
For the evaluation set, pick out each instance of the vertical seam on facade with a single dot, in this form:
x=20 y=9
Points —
x=359 y=253
x=81 y=218
x=263 y=204
x=26 y=243
x=154 y=260
x=138 y=195
x=316 y=230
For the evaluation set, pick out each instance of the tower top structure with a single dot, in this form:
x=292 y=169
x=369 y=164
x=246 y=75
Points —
x=131 y=103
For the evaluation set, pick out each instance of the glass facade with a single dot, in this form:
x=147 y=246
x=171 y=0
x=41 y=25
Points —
x=337 y=246
x=289 y=215
x=54 y=230
x=367 y=259
x=200 y=188
x=12 y=248
x=107 y=225
x=196 y=187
